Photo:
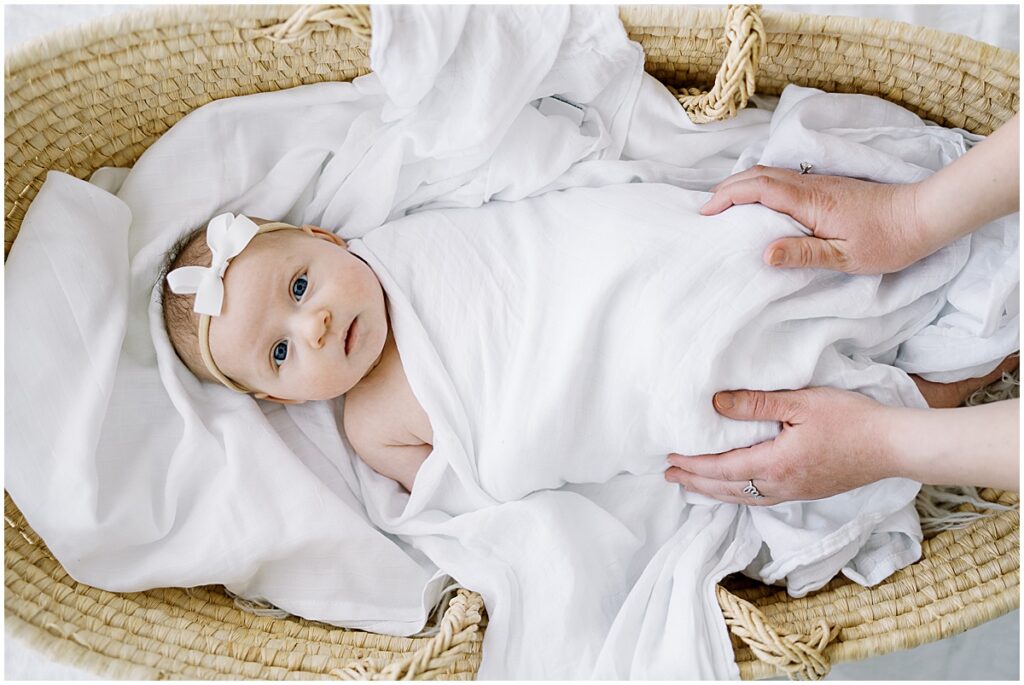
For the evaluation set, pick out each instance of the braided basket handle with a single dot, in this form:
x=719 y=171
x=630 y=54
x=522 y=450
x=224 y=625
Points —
x=454 y=637
x=734 y=82
x=801 y=657
x=310 y=18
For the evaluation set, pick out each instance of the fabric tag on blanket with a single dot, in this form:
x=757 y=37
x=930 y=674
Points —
x=555 y=106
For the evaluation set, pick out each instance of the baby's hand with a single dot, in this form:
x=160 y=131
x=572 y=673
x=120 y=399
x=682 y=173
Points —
x=858 y=227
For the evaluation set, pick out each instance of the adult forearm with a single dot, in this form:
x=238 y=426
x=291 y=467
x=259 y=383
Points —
x=980 y=187
x=966 y=446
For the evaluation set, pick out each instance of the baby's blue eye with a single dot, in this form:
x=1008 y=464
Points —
x=280 y=352
x=299 y=287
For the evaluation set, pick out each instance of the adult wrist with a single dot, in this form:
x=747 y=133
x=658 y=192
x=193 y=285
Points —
x=896 y=453
x=925 y=230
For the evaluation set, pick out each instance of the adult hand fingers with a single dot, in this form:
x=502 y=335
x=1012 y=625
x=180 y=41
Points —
x=788 y=406
x=752 y=172
x=736 y=465
x=815 y=253
x=776 y=193
x=724 y=491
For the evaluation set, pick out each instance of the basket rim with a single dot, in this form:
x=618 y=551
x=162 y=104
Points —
x=781 y=21
x=78 y=36
x=775 y=21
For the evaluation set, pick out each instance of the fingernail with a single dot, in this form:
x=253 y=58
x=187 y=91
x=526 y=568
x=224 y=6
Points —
x=777 y=257
x=725 y=400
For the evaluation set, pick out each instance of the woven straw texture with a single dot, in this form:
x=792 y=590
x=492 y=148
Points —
x=100 y=94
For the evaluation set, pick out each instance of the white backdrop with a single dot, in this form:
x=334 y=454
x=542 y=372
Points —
x=990 y=652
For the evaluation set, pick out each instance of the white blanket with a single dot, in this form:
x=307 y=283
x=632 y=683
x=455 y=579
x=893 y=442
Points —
x=562 y=346
x=138 y=476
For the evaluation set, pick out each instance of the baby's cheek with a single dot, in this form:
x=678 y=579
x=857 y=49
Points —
x=330 y=380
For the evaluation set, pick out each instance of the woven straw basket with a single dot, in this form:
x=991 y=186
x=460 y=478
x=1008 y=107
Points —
x=100 y=94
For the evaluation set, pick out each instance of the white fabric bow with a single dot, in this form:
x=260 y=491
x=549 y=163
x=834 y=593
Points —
x=227 y=235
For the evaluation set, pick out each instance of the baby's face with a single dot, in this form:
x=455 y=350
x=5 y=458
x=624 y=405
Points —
x=303 y=318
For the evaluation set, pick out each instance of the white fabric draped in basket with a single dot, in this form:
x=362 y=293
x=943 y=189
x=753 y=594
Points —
x=155 y=479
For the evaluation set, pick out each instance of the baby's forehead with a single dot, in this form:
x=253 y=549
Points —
x=255 y=283
x=280 y=238
x=277 y=245
x=265 y=253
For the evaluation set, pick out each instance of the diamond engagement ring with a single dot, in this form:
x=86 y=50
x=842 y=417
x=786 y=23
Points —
x=750 y=489
x=805 y=167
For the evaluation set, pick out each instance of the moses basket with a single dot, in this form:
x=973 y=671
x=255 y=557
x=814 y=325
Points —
x=100 y=94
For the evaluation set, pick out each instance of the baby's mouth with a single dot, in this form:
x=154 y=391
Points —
x=350 y=336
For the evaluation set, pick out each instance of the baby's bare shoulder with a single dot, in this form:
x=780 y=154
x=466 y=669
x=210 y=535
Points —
x=368 y=419
x=387 y=427
x=380 y=427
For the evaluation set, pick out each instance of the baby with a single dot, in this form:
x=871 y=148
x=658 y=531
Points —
x=296 y=317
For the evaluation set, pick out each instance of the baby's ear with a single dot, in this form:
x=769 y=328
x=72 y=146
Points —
x=317 y=232
x=271 y=398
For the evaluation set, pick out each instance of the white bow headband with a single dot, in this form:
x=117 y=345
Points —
x=226 y=235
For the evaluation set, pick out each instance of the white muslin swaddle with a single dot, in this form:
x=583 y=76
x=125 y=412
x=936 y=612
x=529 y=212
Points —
x=562 y=346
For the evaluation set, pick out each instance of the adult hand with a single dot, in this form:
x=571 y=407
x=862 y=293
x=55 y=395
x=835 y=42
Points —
x=831 y=441
x=858 y=227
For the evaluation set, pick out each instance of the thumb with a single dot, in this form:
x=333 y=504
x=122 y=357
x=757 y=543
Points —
x=810 y=252
x=754 y=405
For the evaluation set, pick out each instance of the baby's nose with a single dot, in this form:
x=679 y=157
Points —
x=317 y=324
